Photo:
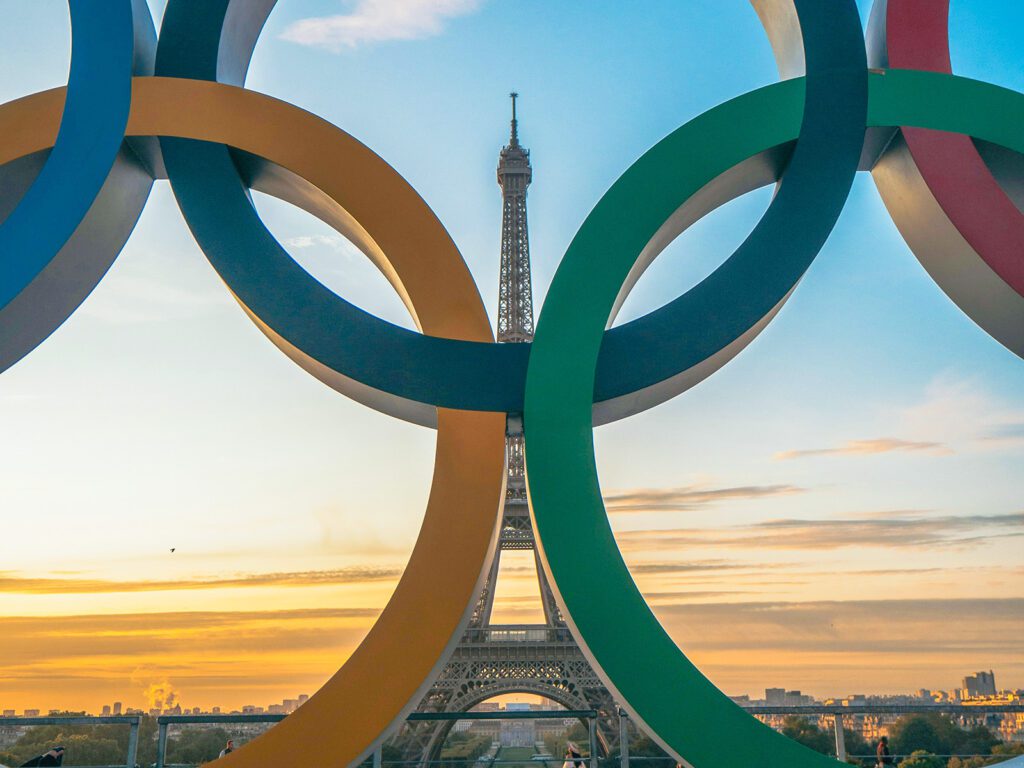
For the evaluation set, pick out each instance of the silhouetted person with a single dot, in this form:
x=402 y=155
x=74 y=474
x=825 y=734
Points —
x=228 y=748
x=572 y=756
x=883 y=753
x=55 y=756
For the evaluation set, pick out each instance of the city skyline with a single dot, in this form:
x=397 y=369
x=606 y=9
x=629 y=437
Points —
x=839 y=507
x=162 y=699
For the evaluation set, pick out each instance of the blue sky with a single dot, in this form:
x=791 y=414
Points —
x=871 y=428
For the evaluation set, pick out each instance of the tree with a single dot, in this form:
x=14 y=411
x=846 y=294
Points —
x=194 y=746
x=922 y=759
x=857 y=745
x=807 y=733
x=978 y=741
x=86 y=744
x=1010 y=749
x=967 y=762
x=578 y=733
x=929 y=732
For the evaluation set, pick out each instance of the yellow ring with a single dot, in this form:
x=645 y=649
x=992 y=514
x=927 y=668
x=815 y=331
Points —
x=387 y=674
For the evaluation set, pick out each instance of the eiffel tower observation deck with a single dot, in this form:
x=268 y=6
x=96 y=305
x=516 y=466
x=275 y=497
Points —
x=496 y=659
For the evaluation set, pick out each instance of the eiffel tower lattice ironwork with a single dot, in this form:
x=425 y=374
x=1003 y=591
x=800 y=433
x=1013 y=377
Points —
x=495 y=659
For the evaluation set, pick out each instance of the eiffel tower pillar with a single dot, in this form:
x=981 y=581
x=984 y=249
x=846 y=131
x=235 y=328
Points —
x=495 y=659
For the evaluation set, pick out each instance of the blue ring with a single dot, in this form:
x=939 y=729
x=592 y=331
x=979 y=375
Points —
x=91 y=131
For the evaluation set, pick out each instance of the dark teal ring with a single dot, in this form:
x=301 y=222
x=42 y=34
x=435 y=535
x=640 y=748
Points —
x=642 y=363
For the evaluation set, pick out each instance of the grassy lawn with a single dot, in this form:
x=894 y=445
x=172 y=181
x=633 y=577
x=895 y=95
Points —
x=517 y=754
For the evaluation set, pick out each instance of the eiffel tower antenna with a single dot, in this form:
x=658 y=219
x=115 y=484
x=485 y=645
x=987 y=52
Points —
x=495 y=659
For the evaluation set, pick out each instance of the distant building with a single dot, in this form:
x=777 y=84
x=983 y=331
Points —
x=117 y=707
x=775 y=697
x=980 y=684
x=106 y=711
x=9 y=713
x=215 y=710
x=31 y=713
x=303 y=698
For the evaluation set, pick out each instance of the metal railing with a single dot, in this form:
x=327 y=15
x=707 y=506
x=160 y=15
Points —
x=518 y=633
x=132 y=721
x=838 y=714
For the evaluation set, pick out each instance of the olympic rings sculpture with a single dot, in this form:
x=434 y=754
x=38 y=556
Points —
x=77 y=165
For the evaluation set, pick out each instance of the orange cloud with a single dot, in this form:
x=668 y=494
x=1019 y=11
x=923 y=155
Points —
x=340 y=576
x=691 y=497
x=233 y=658
x=869 y=447
x=208 y=658
x=897 y=530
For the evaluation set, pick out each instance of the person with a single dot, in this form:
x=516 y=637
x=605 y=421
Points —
x=572 y=756
x=54 y=756
x=883 y=753
x=228 y=748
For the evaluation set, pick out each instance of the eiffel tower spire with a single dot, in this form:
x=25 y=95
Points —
x=515 y=292
x=495 y=659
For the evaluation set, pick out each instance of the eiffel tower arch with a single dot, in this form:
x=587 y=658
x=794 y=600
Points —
x=495 y=659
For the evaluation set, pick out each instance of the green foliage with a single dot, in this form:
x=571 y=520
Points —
x=939 y=735
x=858 y=745
x=919 y=758
x=108 y=744
x=1000 y=752
x=979 y=741
x=968 y=762
x=578 y=733
x=86 y=744
x=521 y=754
x=1010 y=749
x=807 y=733
x=194 y=746
x=464 y=747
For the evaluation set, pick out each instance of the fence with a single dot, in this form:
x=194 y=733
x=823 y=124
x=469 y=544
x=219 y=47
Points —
x=838 y=714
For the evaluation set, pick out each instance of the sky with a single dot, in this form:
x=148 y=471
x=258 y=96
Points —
x=837 y=510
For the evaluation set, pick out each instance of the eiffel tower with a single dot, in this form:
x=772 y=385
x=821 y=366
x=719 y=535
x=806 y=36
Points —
x=495 y=659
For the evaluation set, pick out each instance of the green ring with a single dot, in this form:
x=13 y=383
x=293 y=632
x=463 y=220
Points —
x=629 y=649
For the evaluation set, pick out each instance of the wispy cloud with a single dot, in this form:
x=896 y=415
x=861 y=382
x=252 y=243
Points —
x=701 y=566
x=336 y=243
x=691 y=497
x=869 y=447
x=910 y=626
x=1004 y=434
x=374 y=21
x=899 y=530
x=964 y=413
x=13 y=583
